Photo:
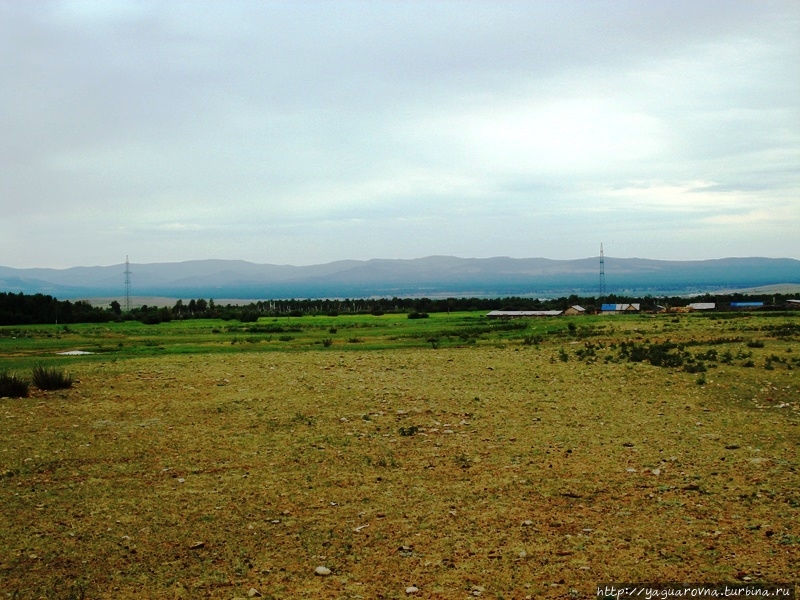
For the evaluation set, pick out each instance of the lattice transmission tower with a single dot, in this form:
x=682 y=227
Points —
x=602 y=285
x=127 y=285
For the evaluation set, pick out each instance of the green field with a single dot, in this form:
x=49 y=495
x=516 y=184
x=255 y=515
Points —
x=390 y=331
x=461 y=456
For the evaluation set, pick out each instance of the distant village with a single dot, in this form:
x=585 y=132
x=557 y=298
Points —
x=626 y=308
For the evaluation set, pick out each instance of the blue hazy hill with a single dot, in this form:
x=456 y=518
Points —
x=433 y=276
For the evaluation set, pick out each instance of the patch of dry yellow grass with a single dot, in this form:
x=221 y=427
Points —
x=504 y=473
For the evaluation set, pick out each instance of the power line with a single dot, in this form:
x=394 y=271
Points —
x=602 y=286
x=127 y=285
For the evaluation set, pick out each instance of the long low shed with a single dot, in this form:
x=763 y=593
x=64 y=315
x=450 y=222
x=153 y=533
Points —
x=514 y=314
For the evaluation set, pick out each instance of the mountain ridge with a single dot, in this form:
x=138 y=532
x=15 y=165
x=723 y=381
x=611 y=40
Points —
x=432 y=275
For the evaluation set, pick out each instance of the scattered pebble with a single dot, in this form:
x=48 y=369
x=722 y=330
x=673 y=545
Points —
x=322 y=571
x=253 y=593
x=412 y=589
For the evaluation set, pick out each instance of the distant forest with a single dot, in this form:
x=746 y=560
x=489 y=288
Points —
x=39 y=309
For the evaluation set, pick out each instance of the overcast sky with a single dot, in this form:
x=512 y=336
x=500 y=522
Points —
x=307 y=132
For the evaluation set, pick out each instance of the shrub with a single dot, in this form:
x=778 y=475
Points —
x=418 y=315
x=50 y=378
x=695 y=367
x=327 y=342
x=12 y=386
x=248 y=316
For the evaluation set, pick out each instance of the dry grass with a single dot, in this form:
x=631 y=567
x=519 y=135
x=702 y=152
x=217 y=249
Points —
x=504 y=471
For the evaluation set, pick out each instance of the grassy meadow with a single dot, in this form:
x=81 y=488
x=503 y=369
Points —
x=447 y=457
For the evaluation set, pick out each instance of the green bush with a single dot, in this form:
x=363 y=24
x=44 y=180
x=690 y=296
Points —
x=695 y=367
x=50 y=378
x=12 y=386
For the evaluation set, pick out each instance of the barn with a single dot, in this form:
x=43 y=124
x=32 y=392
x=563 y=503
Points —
x=702 y=306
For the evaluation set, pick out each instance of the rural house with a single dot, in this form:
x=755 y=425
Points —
x=619 y=309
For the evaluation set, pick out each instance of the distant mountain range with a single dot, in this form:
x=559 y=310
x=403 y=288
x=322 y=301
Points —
x=433 y=276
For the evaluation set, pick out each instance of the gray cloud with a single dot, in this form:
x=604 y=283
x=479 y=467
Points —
x=301 y=132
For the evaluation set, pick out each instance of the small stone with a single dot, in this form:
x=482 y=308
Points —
x=197 y=546
x=322 y=571
x=527 y=523
x=656 y=471
x=253 y=593
x=412 y=589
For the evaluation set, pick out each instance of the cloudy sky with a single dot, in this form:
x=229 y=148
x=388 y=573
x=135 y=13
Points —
x=306 y=132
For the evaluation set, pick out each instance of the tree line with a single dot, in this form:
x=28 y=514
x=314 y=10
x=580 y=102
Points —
x=37 y=309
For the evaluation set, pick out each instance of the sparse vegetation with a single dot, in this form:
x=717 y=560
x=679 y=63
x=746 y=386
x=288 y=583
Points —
x=51 y=378
x=13 y=386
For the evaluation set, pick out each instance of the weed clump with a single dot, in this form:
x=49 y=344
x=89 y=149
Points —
x=13 y=386
x=50 y=378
